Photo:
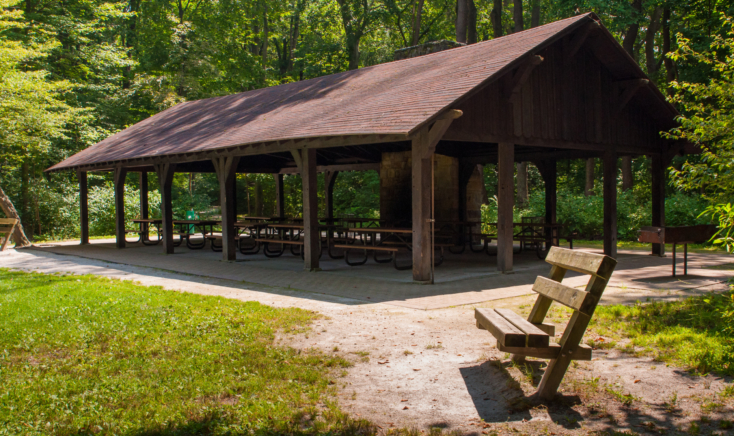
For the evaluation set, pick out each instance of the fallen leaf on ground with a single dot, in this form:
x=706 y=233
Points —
x=402 y=401
x=637 y=381
x=406 y=407
x=416 y=369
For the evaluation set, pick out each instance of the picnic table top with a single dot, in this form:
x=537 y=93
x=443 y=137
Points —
x=533 y=224
x=258 y=218
x=200 y=222
x=381 y=230
x=148 y=221
x=355 y=220
x=296 y=226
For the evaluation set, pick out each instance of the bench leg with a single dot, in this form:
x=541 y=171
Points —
x=332 y=255
x=398 y=267
x=249 y=250
x=215 y=247
x=440 y=257
x=346 y=258
x=271 y=254
x=388 y=260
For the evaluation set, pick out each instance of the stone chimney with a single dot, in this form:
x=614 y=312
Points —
x=424 y=49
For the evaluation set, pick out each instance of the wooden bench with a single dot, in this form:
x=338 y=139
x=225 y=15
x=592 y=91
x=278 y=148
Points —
x=7 y=227
x=531 y=338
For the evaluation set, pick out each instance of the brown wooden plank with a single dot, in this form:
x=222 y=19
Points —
x=583 y=352
x=119 y=188
x=535 y=336
x=421 y=207
x=610 y=203
x=505 y=332
x=582 y=262
x=574 y=298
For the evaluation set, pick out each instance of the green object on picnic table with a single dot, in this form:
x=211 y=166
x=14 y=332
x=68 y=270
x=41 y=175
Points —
x=191 y=215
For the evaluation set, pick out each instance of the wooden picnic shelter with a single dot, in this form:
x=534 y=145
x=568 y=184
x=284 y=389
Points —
x=565 y=90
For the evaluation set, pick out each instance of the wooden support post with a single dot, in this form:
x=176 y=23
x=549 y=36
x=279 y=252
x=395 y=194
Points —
x=226 y=168
x=329 y=181
x=83 y=207
x=658 y=198
x=165 y=174
x=144 y=201
x=306 y=159
x=421 y=206
x=505 y=205
x=279 y=198
x=550 y=177
x=120 y=174
x=610 y=203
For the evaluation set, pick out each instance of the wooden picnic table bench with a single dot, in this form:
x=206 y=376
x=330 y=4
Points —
x=7 y=227
x=186 y=233
x=531 y=337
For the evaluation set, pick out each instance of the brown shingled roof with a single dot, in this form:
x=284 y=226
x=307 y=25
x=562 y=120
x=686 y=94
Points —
x=393 y=98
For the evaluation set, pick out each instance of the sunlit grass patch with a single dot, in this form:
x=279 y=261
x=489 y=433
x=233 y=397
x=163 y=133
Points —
x=86 y=354
x=695 y=333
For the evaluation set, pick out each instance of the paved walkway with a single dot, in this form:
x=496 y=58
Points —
x=464 y=279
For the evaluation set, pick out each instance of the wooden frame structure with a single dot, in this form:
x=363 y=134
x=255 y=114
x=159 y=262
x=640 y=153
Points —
x=531 y=337
x=566 y=90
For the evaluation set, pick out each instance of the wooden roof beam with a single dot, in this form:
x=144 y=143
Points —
x=522 y=75
x=575 y=44
x=629 y=89
x=439 y=128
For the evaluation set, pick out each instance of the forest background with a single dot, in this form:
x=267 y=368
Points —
x=73 y=72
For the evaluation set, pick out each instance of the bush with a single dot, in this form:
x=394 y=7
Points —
x=586 y=214
x=102 y=208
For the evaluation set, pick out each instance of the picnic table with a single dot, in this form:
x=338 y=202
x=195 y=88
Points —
x=204 y=227
x=538 y=233
x=144 y=231
x=288 y=234
x=391 y=240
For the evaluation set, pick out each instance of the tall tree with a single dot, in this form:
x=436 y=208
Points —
x=416 y=28
x=535 y=13
x=496 y=16
x=462 y=15
x=517 y=16
x=630 y=36
x=650 y=49
x=357 y=16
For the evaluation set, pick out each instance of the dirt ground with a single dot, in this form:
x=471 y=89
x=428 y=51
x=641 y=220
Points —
x=425 y=369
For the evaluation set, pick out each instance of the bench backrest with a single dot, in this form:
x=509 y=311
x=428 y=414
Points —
x=583 y=302
x=7 y=225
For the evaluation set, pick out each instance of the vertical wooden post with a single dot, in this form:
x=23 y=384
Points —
x=279 y=198
x=311 y=233
x=165 y=174
x=120 y=174
x=421 y=207
x=505 y=205
x=610 y=203
x=658 y=198
x=329 y=181
x=550 y=177
x=144 y=202
x=83 y=207
x=226 y=168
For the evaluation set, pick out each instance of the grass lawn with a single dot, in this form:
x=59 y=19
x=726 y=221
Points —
x=696 y=333
x=643 y=246
x=88 y=355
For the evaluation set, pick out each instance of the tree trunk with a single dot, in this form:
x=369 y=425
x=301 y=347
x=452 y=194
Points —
x=627 y=180
x=293 y=35
x=517 y=16
x=9 y=210
x=265 y=37
x=630 y=37
x=496 y=16
x=417 y=15
x=670 y=73
x=589 y=188
x=471 y=22
x=652 y=30
x=522 y=184
x=535 y=14
x=461 y=20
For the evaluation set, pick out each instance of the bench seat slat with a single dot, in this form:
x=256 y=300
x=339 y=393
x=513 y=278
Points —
x=279 y=241
x=505 y=332
x=366 y=247
x=566 y=295
x=535 y=336
x=583 y=352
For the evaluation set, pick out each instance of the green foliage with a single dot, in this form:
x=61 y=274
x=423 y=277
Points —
x=695 y=333
x=91 y=355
